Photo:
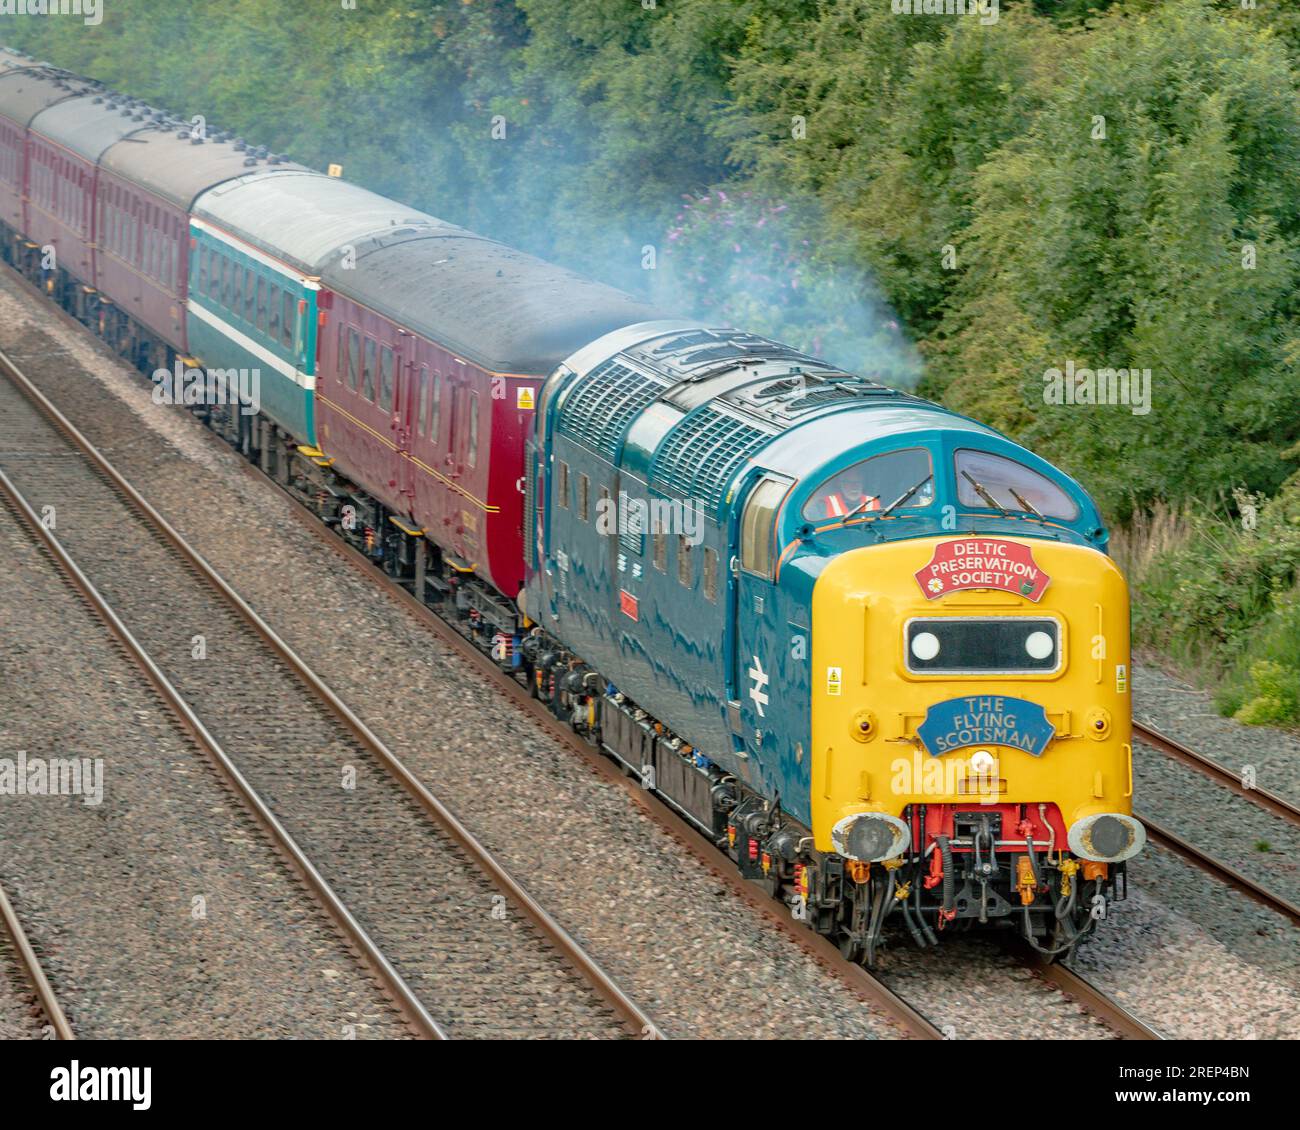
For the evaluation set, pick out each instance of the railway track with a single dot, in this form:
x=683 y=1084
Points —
x=418 y=897
x=29 y=965
x=1269 y=802
x=1167 y=838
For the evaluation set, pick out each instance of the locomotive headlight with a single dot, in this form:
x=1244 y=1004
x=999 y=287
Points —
x=1039 y=645
x=981 y=762
x=925 y=646
x=1108 y=837
x=870 y=836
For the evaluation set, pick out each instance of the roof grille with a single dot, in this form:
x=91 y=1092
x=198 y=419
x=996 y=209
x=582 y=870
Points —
x=703 y=453
x=603 y=405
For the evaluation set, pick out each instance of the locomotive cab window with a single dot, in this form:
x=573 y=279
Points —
x=757 y=526
x=990 y=482
x=902 y=479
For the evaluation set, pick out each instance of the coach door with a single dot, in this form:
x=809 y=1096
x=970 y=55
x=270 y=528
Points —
x=408 y=401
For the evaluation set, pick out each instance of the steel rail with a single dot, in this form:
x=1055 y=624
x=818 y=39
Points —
x=32 y=967
x=1247 y=886
x=640 y=1023
x=1264 y=799
x=388 y=976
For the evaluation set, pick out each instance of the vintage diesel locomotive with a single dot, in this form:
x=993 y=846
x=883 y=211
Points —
x=874 y=650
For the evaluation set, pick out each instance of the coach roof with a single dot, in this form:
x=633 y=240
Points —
x=307 y=218
x=493 y=305
x=25 y=92
x=179 y=170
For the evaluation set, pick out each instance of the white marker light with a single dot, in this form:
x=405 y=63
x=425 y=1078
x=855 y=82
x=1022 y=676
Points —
x=925 y=646
x=1039 y=645
x=981 y=762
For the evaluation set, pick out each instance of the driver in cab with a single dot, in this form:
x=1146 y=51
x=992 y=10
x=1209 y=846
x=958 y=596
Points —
x=845 y=495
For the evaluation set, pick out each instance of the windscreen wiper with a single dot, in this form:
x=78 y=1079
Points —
x=979 y=489
x=904 y=496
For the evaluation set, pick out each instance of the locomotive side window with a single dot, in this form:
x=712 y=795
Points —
x=874 y=484
x=659 y=547
x=368 y=371
x=757 y=526
x=685 y=564
x=354 y=358
x=562 y=485
x=709 y=573
x=990 y=482
x=584 y=487
x=471 y=456
x=386 y=379
x=603 y=511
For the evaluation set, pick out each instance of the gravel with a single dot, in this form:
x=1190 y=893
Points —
x=1181 y=711
x=160 y=912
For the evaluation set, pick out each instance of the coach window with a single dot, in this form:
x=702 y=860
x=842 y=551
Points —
x=386 y=379
x=368 y=372
x=584 y=487
x=261 y=303
x=757 y=526
x=709 y=573
x=237 y=292
x=227 y=282
x=472 y=456
x=340 y=353
x=435 y=409
x=354 y=358
x=203 y=271
x=685 y=566
x=273 y=304
x=290 y=322
x=423 y=400
x=562 y=485
x=250 y=296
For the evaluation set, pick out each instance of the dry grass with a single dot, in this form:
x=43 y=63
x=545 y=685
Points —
x=1151 y=535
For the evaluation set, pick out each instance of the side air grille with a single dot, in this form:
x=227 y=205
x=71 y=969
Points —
x=604 y=404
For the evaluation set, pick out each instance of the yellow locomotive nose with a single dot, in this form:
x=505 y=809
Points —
x=972 y=673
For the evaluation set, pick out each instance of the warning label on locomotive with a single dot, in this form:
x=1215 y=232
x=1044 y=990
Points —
x=980 y=563
x=985 y=720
